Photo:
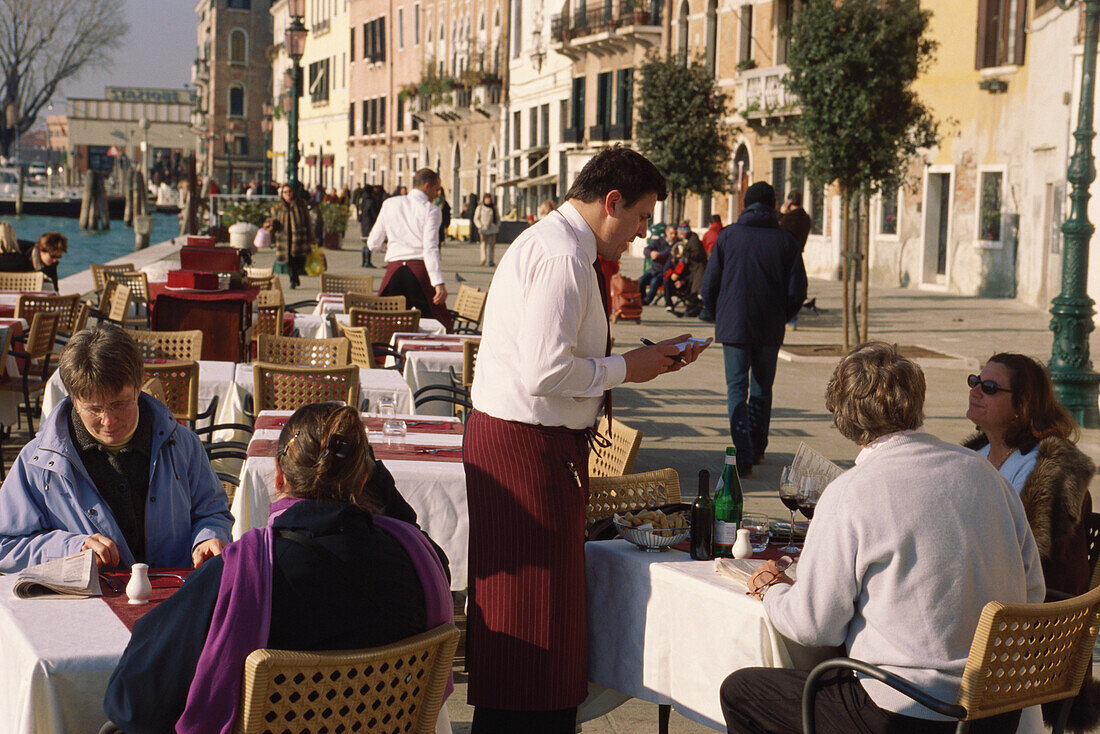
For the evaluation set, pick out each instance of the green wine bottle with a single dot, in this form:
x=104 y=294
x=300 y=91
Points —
x=729 y=502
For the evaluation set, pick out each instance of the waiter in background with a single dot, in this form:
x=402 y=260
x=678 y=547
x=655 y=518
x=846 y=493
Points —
x=410 y=225
x=544 y=371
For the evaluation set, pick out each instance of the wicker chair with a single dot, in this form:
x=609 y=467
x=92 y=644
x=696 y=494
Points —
x=138 y=283
x=65 y=306
x=359 y=346
x=39 y=346
x=1092 y=530
x=180 y=380
x=331 y=283
x=154 y=388
x=100 y=273
x=269 y=314
x=382 y=325
x=22 y=281
x=1022 y=655
x=185 y=345
x=618 y=458
x=468 y=310
x=398 y=687
x=608 y=495
x=375 y=303
x=278 y=387
x=291 y=350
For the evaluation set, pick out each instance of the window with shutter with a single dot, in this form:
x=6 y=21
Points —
x=1001 y=33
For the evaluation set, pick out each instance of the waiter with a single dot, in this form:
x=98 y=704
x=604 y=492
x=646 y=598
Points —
x=410 y=224
x=544 y=372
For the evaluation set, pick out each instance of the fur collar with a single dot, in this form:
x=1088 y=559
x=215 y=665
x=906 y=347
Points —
x=1053 y=493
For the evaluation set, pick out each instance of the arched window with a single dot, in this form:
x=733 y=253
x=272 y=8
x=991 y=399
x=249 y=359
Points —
x=238 y=46
x=712 y=37
x=442 y=31
x=481 y=20
x=496 y=18
x=236 y=100
x=682 y=48
x=456 y=181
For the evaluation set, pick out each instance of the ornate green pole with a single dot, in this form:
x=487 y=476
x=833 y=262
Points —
x=1077 y=384
x=295 y=47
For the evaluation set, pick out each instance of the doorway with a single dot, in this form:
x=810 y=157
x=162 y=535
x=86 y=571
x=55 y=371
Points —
x=937 y=226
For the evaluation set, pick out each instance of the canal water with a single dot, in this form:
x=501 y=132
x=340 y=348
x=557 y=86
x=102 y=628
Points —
x=87 y=247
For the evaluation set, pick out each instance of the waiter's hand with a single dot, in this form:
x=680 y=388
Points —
x=106 y=552
x=206 y=550
x=645 y=363
x=440 y=295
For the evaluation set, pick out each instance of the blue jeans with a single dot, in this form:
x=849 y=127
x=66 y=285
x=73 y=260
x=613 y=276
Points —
x=750 y=372
x=649 y=283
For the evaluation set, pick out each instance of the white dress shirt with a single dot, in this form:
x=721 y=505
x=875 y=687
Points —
x=410 y=224
x=544 y=333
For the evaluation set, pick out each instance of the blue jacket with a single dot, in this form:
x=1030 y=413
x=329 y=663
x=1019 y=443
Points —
x=755 y=281
x=49 y=505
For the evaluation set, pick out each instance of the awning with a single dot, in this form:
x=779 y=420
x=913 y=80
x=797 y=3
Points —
x=538 y=181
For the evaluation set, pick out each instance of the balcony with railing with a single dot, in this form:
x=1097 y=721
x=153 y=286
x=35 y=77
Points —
x=609 y=28
x=762 y=93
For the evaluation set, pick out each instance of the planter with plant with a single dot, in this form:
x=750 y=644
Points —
x=335 y=218
x=641 y=12
x=746 y=64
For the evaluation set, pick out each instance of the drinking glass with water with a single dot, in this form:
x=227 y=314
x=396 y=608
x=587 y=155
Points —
x=759 y=527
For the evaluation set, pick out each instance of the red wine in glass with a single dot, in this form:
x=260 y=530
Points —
x=807 y=508
x=790 y=502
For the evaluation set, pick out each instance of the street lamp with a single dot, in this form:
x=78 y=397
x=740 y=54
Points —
x=1076 y=383
x=295 y=47
x=266 y=125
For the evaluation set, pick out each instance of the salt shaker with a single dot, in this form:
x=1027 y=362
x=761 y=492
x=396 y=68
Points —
x=139 y=589
x=742 y=547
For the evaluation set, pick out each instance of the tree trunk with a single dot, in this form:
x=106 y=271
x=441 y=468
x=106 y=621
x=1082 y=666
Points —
x=846 y=200
x=865 y=262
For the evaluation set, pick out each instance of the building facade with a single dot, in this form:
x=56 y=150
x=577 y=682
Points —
x=232 y=75
x=386 y=60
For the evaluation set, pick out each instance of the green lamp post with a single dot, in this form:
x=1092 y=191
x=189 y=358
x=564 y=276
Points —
x=295 y=47
x=1077 y=384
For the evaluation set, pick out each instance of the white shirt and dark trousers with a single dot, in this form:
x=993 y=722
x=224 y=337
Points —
x=539 y=386
x=904 y=551
x=409 y=226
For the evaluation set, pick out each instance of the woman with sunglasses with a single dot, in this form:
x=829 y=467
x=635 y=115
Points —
x=333 y=570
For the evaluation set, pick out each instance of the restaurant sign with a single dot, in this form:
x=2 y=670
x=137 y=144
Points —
x=143 y=94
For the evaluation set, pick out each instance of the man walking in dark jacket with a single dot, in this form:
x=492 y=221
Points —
x=754 y=283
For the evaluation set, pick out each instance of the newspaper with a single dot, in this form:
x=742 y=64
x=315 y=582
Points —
x=76 y=575
x=809 y=462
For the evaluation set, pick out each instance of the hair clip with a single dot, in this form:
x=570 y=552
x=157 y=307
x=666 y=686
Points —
x=336 y=445
x=286 y=446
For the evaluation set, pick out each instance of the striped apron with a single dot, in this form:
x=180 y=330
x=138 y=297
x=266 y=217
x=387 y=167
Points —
x=527 y=636
x=421 y=300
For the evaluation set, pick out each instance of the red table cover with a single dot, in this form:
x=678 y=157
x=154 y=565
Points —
x=129 y=614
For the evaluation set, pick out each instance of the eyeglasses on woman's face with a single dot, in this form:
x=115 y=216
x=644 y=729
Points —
x=989 y=387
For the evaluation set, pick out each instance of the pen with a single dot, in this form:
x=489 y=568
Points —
x=676 y=357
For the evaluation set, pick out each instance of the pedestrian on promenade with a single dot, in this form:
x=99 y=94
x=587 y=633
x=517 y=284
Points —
x=710 y=237
x=544 y=372
x=370 y=205
x=660 y=253
x=445 y=215
x=694 y=256
x=795 y=219
x=409 y=227
x=293 y=234
x=754 y=284
x=488 y=224
x=41 y=256
x=898 y=586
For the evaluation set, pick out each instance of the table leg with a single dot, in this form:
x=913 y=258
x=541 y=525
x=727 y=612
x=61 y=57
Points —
x=664 y=711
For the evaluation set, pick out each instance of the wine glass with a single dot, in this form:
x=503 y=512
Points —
x=759 y=527
x=789 y=492
x=387 y=406
x=809 y=494
x=393 y=430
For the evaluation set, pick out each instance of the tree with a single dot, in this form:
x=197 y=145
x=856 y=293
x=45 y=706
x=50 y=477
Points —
x=852 y=66
x=680 y=128
x=43 y=43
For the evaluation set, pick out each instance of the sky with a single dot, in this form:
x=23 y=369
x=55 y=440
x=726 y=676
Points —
x=157 y=52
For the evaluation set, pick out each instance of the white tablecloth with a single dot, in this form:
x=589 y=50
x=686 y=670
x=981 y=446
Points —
x=215 y=379
x=435 y=489
x=427 y=326
x=58 y=655
x=431 y=368
x=328 y=303
x=373 y=386
x=312 y=326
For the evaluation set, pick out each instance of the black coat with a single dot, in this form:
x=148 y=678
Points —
x=755 y=281
x=21 y=262
x=315 y=605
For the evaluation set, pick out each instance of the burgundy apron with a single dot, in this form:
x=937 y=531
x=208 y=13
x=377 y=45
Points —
x=527 y=636
x=416 y=267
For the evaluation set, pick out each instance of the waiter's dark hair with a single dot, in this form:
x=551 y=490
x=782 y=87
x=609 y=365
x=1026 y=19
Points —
x=618 y=169
x=324 y=453
x=424 y=176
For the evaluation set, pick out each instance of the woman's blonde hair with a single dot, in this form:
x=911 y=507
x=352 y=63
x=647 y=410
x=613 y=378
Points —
x=875 y=391
x=325 y=454
x=8 y=241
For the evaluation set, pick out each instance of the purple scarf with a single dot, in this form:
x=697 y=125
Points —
x=242 y=616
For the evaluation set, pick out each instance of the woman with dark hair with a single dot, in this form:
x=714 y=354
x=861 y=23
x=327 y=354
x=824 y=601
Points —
x=331 y=571
x=41 y=256
x=1030 y=438
x=294 y=236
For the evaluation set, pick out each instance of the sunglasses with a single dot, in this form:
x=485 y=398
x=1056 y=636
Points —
x=989 y=387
